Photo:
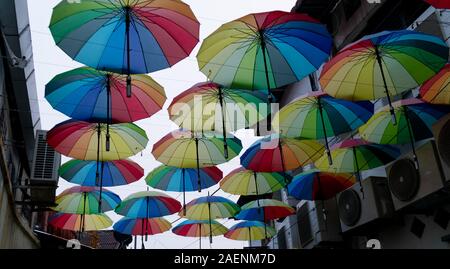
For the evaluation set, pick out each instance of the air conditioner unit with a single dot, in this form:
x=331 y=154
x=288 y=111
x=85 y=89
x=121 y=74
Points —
x=417 y=188
x=359 y=208
x=318 y=224
x=441 y=131
x=44 y=173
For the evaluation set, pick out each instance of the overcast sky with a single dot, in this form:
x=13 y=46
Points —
x=50 y=60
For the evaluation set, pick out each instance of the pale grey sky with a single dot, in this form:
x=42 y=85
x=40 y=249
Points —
x=49 y=61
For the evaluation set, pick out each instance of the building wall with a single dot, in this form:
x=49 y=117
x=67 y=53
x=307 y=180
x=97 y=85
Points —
x=346 y=28
x=18 y=118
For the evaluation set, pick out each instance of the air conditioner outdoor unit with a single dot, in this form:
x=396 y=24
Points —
x=417 y=188
x=318 y=224
x=441 y=131
x=44 y=173
x=359 y=208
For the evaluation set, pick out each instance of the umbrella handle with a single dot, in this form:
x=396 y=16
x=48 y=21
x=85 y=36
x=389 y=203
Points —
x=380 y=64
x=266 y=71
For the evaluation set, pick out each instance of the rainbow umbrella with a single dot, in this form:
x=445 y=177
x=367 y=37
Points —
x=105 y=174
x=319 y=116
x=125 y=36
x=247 y=182
x=80 y=223
x=264 y=210
x=210 y=107
x=250 y=230
x=186 y=149
x=168 y=178
x=86 y=200
x=356 y=155
x=384 y=65
x=315 y=185
x=440 y=4
x=265 y=51
x=415 y=120
x=142 y=227
x=146 y=205
x=199 y=228
x=82 y=140
x=208 y=208
x=278 y=154
x=95 y=96
x=437 y=89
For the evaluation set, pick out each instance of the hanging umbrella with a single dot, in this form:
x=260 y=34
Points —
x=250 y=230
x=356 y=155
x=186 y=149
x=278 y=154
x=199 y=228
x=210 y=107
x=82 y=140
x=95 y=96
x=415 y=120
x=132 y=226
x=209 y=208
x=440 y=4
x=384 y=65
x=104 y=174
x=264 y=210
x=437 y=89
x=168 y=178
x=265 y=51
x=314 y=185
x=247 y=182
x=85 y=200
x=80 y=223
x=146 y=205
x=125 y=36
x=319 y=116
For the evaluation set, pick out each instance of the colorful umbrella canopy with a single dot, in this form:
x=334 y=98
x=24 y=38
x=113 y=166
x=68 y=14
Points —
x=415 y=119
x=199 y=228
x=211 y=107
x=384 y=65
x=265 y=50
x=148 y=204
x=186 y=149
x=86 y=200
x=356 y=155
x=80 y=223
x=247 y=182
x=168 y=178
x=125 y=36
x=208 y=208
x=150 y=226
x=315 y=185
x=107 y=174
x=250 y=230
x=441 y=4
x=80 y=140
x=319 y=116
x=265 y=210
x=278 y=154
x=437 y=89
x=96 y=96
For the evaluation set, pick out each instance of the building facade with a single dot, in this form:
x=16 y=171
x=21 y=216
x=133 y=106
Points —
x=19 y=120
x=383 y=221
